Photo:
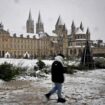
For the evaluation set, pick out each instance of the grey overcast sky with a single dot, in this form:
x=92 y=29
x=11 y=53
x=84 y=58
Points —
x=14 y=14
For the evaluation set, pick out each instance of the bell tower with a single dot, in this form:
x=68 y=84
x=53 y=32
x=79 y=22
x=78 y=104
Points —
x=30 y=24
x=39 y=25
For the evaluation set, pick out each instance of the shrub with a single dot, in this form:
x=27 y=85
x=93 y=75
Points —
x=40 y=64
x=46 y=70
x=82 y=67
x=71 y=69
x=8 y=71
x=20 y=70
x=99 y=62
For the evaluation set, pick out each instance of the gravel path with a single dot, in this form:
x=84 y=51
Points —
x=82 y=88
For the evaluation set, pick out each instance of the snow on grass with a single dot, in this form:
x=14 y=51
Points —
x=81 y=88
x=1 y=82
x=19 y=62
x=31 y=62
x=24 y=62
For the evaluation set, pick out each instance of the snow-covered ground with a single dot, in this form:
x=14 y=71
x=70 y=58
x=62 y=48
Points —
x=81 y=88
x=23 y=62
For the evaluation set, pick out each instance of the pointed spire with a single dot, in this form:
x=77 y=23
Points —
x=73 y=28
x=64 y=28
x=87 y=32
x=39 y=25
x=73 y=25
x=30 y=17
x=59 y=21
x=1 y=25
x=81 y=26
x=39 y=18
x=30 y=24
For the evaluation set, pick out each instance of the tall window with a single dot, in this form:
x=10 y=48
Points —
x=74 y=51
x=71 y=51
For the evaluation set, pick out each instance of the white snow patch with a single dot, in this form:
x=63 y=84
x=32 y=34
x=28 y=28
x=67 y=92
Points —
x=81 y=88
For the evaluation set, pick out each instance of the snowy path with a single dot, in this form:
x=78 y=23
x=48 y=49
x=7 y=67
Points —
x=82 y=88
x=86 y=88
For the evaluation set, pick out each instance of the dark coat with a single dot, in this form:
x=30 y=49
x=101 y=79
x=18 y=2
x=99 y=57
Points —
x=57 y=72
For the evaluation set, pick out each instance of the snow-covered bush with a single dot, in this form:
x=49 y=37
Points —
x=21 y=70
x=40 y=64
x=40 y=69
x=71 y=69
x=99 y=62
x=8 y=71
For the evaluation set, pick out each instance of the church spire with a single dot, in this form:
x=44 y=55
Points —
x=59 y=21
x=64 y=29
x=73 y=25
x=30 y=24
x=39 y=18
x=30 y=17
x=81 y=26
x=87 y=32
x=1 y=25
x=59 y=26
x=39 y=25
x=73 y=28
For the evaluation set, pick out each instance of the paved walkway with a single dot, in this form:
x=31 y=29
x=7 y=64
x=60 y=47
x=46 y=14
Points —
x=83 y=88
x=21 y=93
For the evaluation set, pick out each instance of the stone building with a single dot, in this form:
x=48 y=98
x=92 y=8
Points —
x=43 y=44
x=17 y=46
x=77 y=40
x=61 y=37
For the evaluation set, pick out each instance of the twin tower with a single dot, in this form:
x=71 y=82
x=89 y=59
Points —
x=30 y=24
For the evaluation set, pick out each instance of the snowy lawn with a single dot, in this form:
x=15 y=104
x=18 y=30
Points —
x=81 y=88
x=24 y=62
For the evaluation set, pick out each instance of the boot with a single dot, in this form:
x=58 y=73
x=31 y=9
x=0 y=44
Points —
x=47 y=96
x=62 y=100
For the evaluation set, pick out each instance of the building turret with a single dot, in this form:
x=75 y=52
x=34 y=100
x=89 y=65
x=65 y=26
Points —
x=73 y=28
x=59 y=22
x=1 y=26
x=30 y=24
x=88 y=34
x=81 y=26
x=39 y=25
x=64 y=30
x=59 y=26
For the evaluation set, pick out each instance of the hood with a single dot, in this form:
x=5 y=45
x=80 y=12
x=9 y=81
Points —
x=59 y=59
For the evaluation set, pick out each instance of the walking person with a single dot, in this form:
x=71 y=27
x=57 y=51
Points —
x=57 y=76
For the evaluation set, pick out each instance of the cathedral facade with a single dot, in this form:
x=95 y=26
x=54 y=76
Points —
x=42 y=44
